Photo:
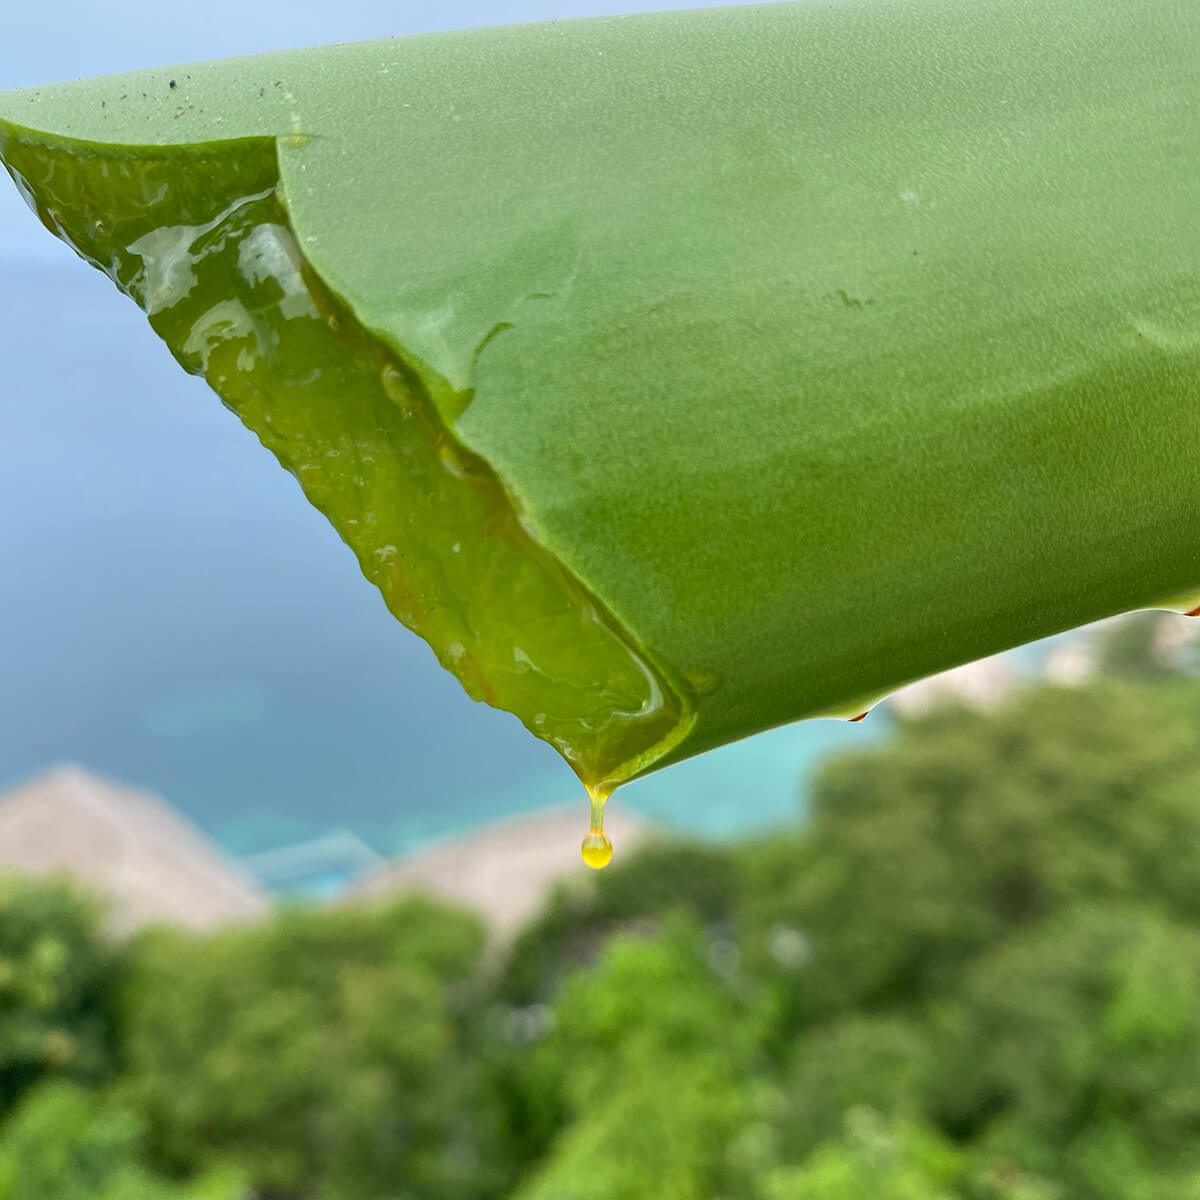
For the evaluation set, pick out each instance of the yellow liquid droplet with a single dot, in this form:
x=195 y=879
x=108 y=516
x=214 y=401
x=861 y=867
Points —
x=596 y=848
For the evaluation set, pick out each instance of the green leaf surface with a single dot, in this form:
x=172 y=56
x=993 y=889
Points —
x=773 y=356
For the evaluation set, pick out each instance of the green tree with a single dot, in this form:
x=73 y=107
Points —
x=1082 y=1040
x=58 y=980
x=650 y=1051
x=872 y=1158
x=967 y=828
x=861 y=1062
x=327 y=1053
x=665 y=877
x=71 y=1144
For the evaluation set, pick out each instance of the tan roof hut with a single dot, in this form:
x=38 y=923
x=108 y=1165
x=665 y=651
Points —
x=147 y=862
x=504 y=871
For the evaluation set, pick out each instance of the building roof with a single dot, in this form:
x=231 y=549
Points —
x=320 y=866
x=147 y=862
x=505 y=871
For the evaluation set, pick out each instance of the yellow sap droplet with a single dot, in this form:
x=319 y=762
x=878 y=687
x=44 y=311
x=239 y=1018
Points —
x=596 y=848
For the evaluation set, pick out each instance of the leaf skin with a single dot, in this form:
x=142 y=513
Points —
x=827 y=346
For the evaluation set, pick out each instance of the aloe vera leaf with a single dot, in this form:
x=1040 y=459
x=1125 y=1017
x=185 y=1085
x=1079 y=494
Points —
x=817 y=348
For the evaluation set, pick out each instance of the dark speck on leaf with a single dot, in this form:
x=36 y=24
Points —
x=852 y=301
x=173 y=83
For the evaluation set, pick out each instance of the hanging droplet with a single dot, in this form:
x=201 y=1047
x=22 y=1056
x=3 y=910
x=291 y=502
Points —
x=596 y=849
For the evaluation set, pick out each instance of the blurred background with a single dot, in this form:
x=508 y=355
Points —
x=283 y=914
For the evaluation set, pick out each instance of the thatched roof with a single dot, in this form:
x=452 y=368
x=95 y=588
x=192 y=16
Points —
x=147 y=862
x=504 y=871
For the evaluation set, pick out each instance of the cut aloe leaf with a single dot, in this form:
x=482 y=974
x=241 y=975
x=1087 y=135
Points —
x=678 y=376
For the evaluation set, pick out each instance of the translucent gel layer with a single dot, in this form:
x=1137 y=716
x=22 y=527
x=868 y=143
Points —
x=201 y=240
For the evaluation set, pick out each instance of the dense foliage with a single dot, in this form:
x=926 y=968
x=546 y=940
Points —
x=970 y=974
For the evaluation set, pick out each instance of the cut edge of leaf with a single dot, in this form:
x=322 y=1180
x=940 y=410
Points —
x=199 y=236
